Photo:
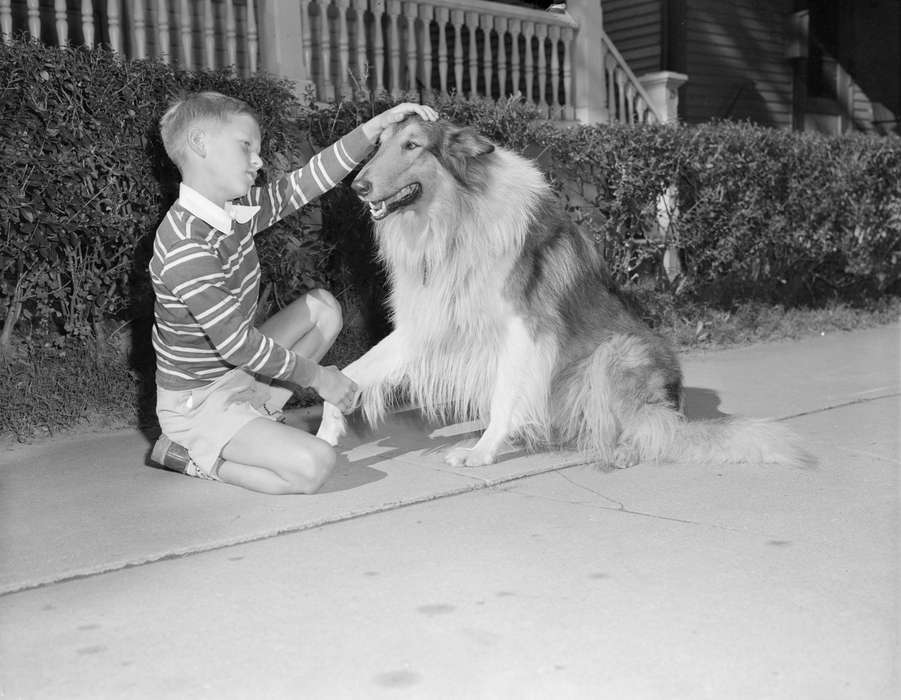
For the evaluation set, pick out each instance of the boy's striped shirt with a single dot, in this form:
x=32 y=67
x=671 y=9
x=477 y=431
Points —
x=206 y=274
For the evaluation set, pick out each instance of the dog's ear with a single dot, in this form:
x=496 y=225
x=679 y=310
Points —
x=466 y=142
x=461 y=150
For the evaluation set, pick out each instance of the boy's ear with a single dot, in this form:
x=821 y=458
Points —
x=197 y=140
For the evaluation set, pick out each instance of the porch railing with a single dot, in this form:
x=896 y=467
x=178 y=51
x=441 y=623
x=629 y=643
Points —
x=343 y=47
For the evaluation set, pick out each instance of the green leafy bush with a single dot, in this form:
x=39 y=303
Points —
x=84 y=181
x=761 y=213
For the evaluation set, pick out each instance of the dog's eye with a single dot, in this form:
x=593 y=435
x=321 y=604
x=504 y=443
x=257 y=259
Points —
x=411 y=146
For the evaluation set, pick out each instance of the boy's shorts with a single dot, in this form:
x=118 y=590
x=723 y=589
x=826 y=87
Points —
x=203 y=420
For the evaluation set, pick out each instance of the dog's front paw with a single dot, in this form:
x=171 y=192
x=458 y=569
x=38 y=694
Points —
x=468 y=457
x=333 y=425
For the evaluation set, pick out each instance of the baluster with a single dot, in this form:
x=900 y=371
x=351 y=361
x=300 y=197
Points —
x=472 y=23
x=641 y=110
x=457 y=22
x=186 y=52
x=343 y=49
x=253 y=41
x=443 y=15
x=34 y=19
x=307 y=38
x=554 y=97
x=630 y=102
x=621 y=90
x=6 y=20
x=541 y=34
x=209 y=35
x=500 y=27
x=361 y=65
x=411 y=44
x=325 y=50
x=378 y=43
x=485 y=24
x=610 y=70
x=569 y=112
x=62 y=24
x=393 y=48
x=528 y=30
x=87 y=22
x=426 y=13
x=231 y=35
x=114 y=24
x=139 y=29
x=162 y=29
x=515 y=28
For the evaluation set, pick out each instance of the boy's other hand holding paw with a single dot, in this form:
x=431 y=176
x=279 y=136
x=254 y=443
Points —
x=375 y=126
x=336 y=388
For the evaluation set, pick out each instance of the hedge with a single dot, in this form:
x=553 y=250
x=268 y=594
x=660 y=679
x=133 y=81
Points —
x=762 y=214
x=84 y=181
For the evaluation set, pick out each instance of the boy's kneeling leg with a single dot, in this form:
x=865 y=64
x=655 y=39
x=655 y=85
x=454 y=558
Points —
x=274 y=458
x=326 y=313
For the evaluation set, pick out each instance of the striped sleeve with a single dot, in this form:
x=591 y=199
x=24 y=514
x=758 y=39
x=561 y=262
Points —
x=296 y=189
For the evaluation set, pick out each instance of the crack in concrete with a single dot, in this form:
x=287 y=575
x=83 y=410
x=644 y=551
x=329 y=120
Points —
x=833 y=407
x=620 y=507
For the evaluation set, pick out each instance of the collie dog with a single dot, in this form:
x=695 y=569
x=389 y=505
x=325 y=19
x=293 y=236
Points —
x=504 y=312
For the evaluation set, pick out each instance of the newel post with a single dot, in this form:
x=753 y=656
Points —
x=663 y=89
x=589 y=77
x=281 y=42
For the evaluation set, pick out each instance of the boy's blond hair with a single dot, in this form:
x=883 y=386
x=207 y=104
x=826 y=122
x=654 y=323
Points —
x=189 y=109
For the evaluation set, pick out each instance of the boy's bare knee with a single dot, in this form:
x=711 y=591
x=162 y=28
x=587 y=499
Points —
x=320 y=463
x=329 y=318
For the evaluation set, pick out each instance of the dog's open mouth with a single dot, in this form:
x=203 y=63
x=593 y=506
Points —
x=402 y=198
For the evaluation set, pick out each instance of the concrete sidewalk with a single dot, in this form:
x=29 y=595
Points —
x=540 y=576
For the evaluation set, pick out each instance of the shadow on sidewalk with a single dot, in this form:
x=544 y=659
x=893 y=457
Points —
x=701 y=404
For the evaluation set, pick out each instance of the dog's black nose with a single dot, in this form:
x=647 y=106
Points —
x=362 y=187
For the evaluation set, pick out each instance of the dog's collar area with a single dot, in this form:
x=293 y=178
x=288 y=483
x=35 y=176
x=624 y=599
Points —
x=402 y=198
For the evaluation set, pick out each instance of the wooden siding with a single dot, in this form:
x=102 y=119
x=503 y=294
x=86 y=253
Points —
x=735 y=60
x=636 y=29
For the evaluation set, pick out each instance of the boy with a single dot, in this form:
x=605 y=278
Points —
x=218 y=413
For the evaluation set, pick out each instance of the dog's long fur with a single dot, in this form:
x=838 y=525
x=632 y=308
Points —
x=503 y=311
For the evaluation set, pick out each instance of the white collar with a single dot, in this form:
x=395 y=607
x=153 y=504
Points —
x=213 y=214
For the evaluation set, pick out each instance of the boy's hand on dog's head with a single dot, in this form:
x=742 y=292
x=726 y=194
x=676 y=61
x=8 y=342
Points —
x=375 y=126
x=336 y=388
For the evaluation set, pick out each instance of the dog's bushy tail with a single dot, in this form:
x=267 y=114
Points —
x=614 y=404
x=659 y=433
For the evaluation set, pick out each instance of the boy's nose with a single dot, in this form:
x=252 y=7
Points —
x=256 y=161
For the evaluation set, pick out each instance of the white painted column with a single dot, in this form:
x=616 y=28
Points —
x=281 y=25
x=588 y=62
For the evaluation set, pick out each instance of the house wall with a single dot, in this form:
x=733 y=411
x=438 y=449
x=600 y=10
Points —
x=873 y=60
x=636 y=29
x=734 y=55
x=733 y=52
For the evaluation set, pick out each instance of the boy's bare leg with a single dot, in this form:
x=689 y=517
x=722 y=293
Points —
x=270 y=457
x=308 y=327
x=274 y=458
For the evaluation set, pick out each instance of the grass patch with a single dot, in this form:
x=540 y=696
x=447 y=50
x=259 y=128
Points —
x=701 y=327
x=51 y=389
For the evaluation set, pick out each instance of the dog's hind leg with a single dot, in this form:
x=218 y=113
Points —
x=518 y=396
x=374 y=373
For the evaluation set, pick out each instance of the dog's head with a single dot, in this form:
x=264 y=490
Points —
x=413 y=162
